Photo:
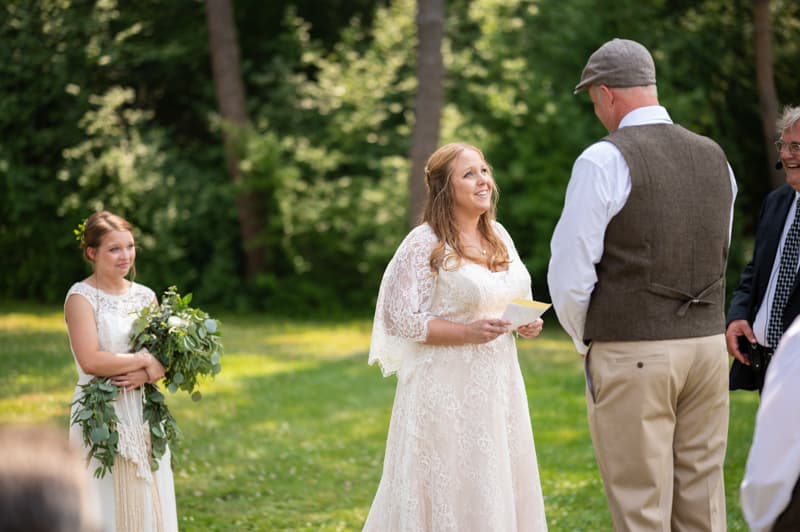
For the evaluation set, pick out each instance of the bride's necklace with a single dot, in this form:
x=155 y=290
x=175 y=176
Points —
x=471 y=243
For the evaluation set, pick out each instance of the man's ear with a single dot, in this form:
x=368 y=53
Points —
x=605 y=93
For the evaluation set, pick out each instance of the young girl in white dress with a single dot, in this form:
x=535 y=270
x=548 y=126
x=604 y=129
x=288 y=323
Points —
x=460 y=454
x=99 y=312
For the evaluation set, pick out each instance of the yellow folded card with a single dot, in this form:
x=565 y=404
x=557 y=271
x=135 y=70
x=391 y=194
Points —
x=522 y=311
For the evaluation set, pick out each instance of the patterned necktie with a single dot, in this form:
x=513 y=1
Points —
x=786 y=275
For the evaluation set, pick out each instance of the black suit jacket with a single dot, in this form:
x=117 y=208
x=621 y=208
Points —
x=749 y=295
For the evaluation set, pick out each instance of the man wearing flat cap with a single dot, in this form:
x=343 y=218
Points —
x=637 y=278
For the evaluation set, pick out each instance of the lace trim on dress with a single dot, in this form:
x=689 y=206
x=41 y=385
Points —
x=122 y=305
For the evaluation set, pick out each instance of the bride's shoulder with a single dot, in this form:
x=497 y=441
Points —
x=85 y=291
x=81 y=288
x=423 y=233
x=420 y=239
x=501 y=231
x=142 y=291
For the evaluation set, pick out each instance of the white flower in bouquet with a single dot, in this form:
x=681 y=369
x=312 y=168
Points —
x=175 y=321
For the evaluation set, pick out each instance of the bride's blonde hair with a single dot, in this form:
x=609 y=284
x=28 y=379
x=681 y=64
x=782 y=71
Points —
x=438 y=213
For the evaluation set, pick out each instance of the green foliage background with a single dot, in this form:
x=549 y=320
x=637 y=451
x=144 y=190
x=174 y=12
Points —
x=109 y=104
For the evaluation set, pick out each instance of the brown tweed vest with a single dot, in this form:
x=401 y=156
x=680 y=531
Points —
x=662 y=274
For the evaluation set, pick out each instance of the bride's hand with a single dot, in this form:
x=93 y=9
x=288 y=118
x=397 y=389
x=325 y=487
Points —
x=154 y=369
x=130 y=381
x=482 y=331
x=532 y=329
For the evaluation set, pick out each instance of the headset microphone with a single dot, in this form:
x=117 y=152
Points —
x=778 y=165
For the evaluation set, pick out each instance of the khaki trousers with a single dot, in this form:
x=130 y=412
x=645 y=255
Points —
x=658 y=415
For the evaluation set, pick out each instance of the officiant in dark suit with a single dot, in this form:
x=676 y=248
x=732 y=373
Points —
x=767 y=299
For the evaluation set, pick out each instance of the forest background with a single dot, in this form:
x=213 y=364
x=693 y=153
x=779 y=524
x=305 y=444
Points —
x=294 y=201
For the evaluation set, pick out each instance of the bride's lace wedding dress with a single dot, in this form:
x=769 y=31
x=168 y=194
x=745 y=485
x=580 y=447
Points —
x=132 y=498
x=460 y=453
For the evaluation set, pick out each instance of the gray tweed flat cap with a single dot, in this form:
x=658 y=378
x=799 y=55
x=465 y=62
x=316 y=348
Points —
x=618 y=63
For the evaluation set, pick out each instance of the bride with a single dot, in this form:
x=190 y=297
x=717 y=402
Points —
x=460 y=453
x=99 y=312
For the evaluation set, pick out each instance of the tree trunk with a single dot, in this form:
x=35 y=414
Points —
x=767 y=95
x=231 y=102
x=428 y=101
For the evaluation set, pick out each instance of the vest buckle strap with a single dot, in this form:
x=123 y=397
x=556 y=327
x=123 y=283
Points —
x=685 y=307
x=687 y=298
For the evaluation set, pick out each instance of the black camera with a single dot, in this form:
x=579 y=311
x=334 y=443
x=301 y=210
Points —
x=758 y=355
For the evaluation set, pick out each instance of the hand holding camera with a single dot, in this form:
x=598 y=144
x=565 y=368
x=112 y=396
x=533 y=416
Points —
x=758 y=355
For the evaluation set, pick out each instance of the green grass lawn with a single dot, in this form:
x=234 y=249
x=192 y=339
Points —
x=290 y=435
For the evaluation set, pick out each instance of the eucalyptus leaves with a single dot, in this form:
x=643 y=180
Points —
x=185 y=340
x=187 y=343
x=96 y=416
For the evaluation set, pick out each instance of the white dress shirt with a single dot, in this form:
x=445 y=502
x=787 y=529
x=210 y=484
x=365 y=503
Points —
x=598 y=189
x=764 y=311
x=773 y=465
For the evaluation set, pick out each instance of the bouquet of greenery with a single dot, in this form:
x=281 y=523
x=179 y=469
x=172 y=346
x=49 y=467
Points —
x=187 y=343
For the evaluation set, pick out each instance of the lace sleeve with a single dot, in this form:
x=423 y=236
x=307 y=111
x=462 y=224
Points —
x=404 y=301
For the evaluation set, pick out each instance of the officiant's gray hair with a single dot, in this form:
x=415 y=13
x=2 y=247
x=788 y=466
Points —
x=789 y=118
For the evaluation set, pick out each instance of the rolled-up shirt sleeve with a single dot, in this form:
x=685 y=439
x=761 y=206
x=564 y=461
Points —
x=597 y=191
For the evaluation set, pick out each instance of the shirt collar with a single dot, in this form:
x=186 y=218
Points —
x=651 y=114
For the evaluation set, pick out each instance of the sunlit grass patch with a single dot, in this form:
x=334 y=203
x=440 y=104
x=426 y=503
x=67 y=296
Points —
x=19 y=323
x=36 y=407
x=297 y=340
